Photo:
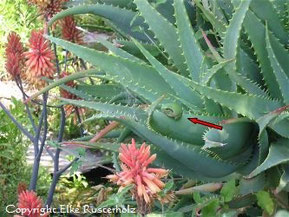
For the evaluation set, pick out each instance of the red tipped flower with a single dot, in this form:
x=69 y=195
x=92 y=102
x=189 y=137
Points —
x=70 y=32
x=39 y=59
x=14 y=55
x=135 y=164
x=48 y=8
x=31 y=203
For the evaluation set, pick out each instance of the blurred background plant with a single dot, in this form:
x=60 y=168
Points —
x=13 y=165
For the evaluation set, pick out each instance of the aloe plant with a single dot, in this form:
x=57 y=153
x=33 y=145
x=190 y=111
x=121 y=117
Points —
x=225 y=62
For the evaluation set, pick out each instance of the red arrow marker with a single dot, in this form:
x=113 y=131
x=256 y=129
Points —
x=205 y=123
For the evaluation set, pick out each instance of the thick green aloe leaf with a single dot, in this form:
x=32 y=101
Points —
x=192 y=157
x=76 y=92
x=130 y=47
x=253 y=185
x=117 y=51
x=281 y=53
x=181 y=89
x=256 y=31
x=282 y=127
x=226 y=7
x=74 y=76
x=281 y=76
x=123 y=20
x=164 y=160
x=101 y=90
x=111 y=109
x=182 y=129
x=117 y=3
x=263 y=122
x=190 y=45
x=233 y=139
x=278 y=154
x=220 y=10
x=248 y=105
x=209 y=74
x=231 y=47
x=267 y=13
x=248 y=67
x=218 y=24
x=232 y=34
x=139 y=78
x=165 y=32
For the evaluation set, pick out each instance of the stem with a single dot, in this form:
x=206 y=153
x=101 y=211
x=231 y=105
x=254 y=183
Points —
x=56 y=176
x=38 y=152
x=210 y=187
x=45 y=127
x=62 y=125
x=56 y=59
x=104 y=131
x=57 y=173
x=65 y=60
x=20 y=86
x=51 y=191
x=56 y=160
x=37 y=136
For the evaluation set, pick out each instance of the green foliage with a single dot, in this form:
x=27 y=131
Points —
x=74 y=190
x=13 y=166
x=265 y=201
x=229 y=190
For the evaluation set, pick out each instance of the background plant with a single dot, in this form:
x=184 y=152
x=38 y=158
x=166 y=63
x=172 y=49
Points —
x=13 y=167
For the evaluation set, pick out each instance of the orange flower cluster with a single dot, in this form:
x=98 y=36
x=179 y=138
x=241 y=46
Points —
x=31 y=203
x=14 y=55
x=70 y=32
x=48 y=8
x=135 y=164
x=40 y=59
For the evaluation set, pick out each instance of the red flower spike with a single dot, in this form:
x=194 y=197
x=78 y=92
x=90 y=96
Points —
x=48 y=8
x=40 y=59
x=29 y=201
x=14 y=55
x=70 y=32
x=134 y=171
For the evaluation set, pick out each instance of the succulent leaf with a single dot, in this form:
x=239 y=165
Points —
x=278 y=154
